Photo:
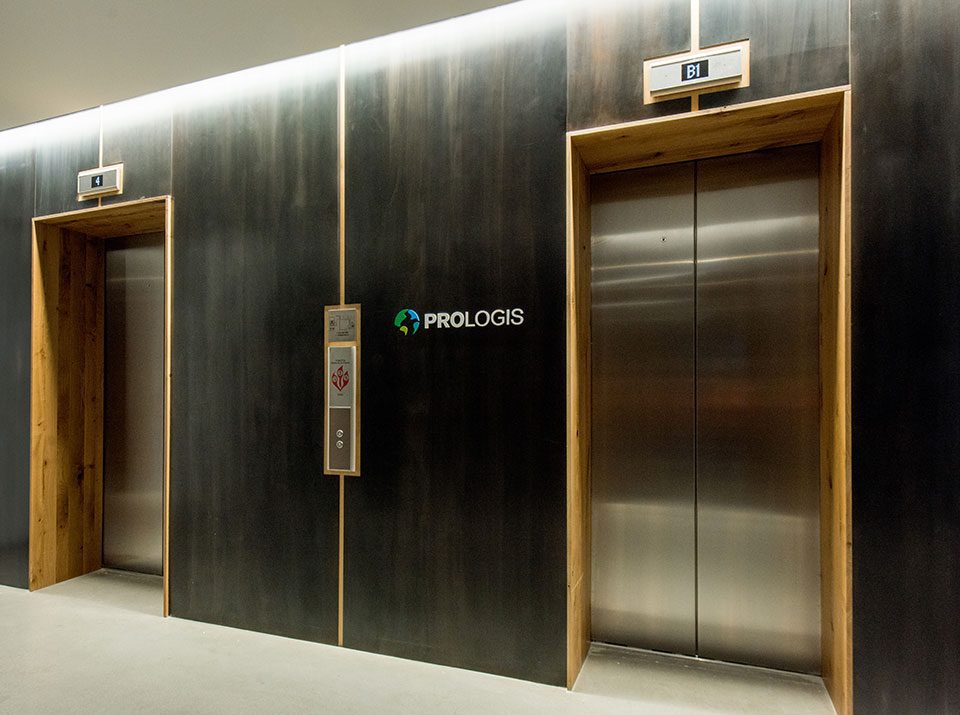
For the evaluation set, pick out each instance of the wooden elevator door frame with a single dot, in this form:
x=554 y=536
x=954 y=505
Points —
x=66 y=384
x=822 y=117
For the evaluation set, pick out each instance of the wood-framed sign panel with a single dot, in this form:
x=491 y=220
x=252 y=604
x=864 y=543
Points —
x=821 y=117
x=354 y=343
x=66 y=384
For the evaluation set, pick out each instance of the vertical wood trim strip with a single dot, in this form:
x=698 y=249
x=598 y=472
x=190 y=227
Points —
x=167 y=391
x=842 y=516
x=574 y=543
x=578 y=413
x=43 y=419
x=340 y=569
x=695 y=46
x=694 y=25
x=93 y=412
x=100 y=156
x=342 y=168
x=835 y=539
x=341 y=206
x=70 y=407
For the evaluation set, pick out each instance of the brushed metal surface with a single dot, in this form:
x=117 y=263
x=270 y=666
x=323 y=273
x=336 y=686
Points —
x=133 y=405
x=795 y=45
x=16 y=207
x=643 y=471
x=253 y=540
x=455 y=535
x=64 y=147
x=906 y=356
x=607 y=41
x=757 y=409
x=138 y=134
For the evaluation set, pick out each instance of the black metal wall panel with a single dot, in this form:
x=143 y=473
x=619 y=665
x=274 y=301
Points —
x=455 y=532
x=65 y=146
x=906 y=352
x=795 y=45
x=254 y=522
x=137 y=133
x=16 y=210
x=608 y=42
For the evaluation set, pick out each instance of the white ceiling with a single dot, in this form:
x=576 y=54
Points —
x=60 y=56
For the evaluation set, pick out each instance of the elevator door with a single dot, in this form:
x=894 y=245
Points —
x=133 y=405
x=705 y=409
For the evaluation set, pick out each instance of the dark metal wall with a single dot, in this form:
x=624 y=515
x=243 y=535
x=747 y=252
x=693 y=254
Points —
x=608 y=41
x=66 y=146
x=906 y=348
x=795 y=46
x=139 y=135
x=455 y=533
x=254 y=522
x=16 y=209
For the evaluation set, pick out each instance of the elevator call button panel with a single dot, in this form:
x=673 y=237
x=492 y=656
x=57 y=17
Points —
x=341 y=451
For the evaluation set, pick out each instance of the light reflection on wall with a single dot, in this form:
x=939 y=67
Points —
x=499 y=23
x=461 y=34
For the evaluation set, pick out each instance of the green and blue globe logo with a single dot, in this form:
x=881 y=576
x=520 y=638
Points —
x=407 y=321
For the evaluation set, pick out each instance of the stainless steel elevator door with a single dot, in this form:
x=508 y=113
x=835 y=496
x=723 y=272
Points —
x=704 y=409
x=642 y=326
x=758 y=409
x=133 y=405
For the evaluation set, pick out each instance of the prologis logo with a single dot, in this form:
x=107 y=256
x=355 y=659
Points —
x=408 y=321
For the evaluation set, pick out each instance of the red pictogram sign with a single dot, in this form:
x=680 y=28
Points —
x=341 y=378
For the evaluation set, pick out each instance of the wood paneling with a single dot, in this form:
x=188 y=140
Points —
x=741 y=128
x=906 y=350
x=167 y=391
x=16 y=209
x=835 y=517
x=124 y=219
x=822 y=117
x=578 y=414
x=455 y=538
x=67 y=378
x=66 y=470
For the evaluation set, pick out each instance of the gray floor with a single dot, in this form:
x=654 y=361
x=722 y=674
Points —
x=675 y=684
x=98 y=644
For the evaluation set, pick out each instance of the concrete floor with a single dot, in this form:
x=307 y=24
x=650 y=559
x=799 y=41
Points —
x=677 y=684
x=97 y=644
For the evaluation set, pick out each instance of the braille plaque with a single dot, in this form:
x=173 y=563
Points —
x=341 y=325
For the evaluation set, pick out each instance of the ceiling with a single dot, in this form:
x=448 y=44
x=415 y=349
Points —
x=60 y=56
